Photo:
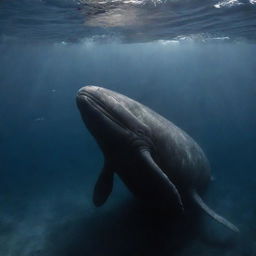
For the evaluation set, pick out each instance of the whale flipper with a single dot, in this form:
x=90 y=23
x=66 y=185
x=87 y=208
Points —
x=103 y=186
x=161 y=178
x=211 y=213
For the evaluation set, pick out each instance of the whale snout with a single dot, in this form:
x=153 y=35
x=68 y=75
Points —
x=85 y=93
x=88 y=90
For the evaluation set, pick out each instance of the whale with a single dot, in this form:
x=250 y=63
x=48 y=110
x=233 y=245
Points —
x=157 y=161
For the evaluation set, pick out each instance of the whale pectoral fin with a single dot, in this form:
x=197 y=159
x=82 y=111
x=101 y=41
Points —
x=103 y=186
x=162 y=179
x=211 y=213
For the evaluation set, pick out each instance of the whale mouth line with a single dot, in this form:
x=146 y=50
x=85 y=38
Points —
x=102 y=108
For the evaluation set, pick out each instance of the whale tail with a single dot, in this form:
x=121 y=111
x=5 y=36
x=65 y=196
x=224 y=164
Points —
x=211 y=213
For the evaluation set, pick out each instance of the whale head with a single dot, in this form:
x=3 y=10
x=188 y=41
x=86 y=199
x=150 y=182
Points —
x=112 y=118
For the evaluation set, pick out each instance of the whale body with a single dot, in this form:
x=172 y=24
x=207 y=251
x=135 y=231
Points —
x=157 y=161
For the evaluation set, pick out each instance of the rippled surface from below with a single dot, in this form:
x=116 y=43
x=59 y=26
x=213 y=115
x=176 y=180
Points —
x=128 y=20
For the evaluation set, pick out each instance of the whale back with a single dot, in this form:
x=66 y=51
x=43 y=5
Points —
x=176 y=153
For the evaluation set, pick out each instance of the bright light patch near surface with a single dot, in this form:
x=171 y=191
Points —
x=227 y=3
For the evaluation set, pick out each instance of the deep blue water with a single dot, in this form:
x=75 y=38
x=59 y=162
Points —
x=48 y=160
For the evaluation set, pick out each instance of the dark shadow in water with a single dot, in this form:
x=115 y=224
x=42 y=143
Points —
x=229 y=243
x=130 y=229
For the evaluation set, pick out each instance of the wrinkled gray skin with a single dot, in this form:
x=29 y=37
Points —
x=157 y=161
